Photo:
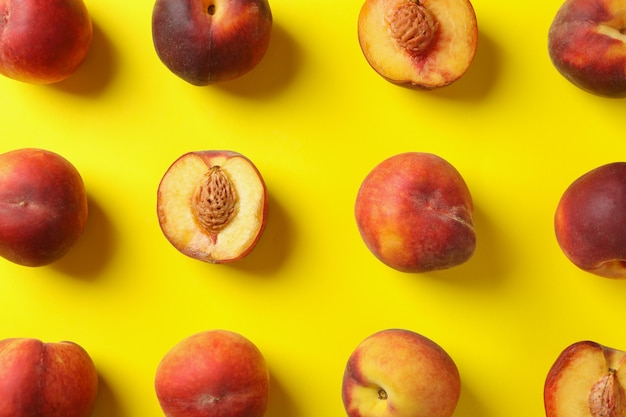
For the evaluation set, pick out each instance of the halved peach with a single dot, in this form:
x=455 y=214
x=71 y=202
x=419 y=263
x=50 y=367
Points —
x=212 y=205
x=586 y=380
x=418 y=43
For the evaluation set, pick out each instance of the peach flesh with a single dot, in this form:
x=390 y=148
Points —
x=419 y=44
x=212 y=205
x=586 y=380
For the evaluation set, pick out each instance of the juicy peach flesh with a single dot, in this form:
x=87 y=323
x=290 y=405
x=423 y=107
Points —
x=182 y=209
x=447 y=41
x=586 y=380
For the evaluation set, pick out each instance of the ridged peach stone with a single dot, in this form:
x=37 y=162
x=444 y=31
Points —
x=607 y=397
x=412 y=26
x=591 y=384
x=210 y=218
x=215 y=202
x=423 y=43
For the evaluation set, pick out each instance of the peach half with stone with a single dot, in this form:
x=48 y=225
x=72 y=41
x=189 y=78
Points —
x=212 y=205
x=418 y=43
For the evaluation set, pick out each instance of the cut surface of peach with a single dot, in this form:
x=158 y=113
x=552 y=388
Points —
x=418 y=43
x=212 y=205
x=586 y=380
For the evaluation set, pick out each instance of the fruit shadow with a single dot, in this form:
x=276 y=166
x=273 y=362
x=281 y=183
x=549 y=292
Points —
x=280 y=403
x=107 y=404
x=93 y=249
x=95 y=73
x=274 y=245
x=480 y=77
x=275 y=71
x=485 y=268
x=469 y=405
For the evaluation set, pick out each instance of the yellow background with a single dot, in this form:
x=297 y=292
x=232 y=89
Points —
x=315 y=119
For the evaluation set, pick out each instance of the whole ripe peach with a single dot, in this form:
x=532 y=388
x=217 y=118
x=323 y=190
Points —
x=418 y=43
x=212 y=205
x=587 y=46
x=215 y=373
x=414 y=212
x=400 y=373
x=43 y=41
x=210 y=41
x=46 y=379
x=43 y=206
x=590 y=221
x=586 y=380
